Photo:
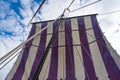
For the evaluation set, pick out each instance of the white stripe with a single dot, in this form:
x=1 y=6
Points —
x=32 y=55
x=61 y=54
x=78 y=60
x=15 y=66
x=49 y=30
x=74 y=24
x=61 y=63
x=99 y=66
x=75 y=34
x=45 y=70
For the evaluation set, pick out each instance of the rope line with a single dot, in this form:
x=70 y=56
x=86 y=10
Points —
x=9 y=60
x=109 y=13
x=2 y=61
x=70 y=4
x=82 y=61
x=36 y=12
x=84 y=6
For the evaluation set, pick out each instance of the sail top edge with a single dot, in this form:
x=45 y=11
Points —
x=66 y=18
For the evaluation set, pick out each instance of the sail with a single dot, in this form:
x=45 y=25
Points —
x=79 y=51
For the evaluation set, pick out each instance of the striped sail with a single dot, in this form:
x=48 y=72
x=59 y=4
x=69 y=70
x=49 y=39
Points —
x=79 y=51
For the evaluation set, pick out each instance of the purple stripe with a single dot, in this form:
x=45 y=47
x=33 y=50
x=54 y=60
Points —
x=111 y=67
x=20 y=70
x=40 y=51
x=70 y=69
x=54 y=57
x=88 y=63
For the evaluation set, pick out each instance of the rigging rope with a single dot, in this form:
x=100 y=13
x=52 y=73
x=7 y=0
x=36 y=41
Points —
x=84 y=6
x=9 y=60
x=80 y=57
x=70 y=4
x=3 y=60
x=36 y=12
x=82 y=61
x=109 y=12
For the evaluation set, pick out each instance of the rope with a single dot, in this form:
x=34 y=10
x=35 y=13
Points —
x=9 y=60
x=83 y=6
x=2 y=61
x=70 y=4
x=109 y=12
x=36 y=12
x=81 y=61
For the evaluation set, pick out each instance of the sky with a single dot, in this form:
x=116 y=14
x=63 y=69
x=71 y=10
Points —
x=15 y=15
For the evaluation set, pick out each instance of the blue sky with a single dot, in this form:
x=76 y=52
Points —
x=13 y=21
x=15 y=15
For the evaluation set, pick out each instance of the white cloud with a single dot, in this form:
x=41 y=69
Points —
x=8 y=24
x=4 y=9
x=53 y=9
